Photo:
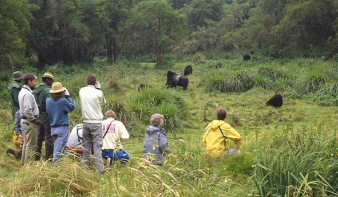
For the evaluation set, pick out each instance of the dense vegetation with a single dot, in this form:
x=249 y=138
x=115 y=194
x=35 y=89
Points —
x=63 y=31
x=291 y=151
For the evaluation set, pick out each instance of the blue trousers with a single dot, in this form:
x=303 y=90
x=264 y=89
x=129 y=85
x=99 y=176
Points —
x=60 y=137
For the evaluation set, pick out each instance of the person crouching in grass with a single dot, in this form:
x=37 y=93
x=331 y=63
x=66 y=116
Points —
x=58 y=107
x=217 y=135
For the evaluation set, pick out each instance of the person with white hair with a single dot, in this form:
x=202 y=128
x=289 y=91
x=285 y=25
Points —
x=113 y=133
x=155 y=144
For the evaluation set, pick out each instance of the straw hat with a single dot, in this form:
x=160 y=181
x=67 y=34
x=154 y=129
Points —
x=57 y=87
x=17 y=75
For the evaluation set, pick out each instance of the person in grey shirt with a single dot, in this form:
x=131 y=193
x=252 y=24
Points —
x=155 y=144
x=29 y=112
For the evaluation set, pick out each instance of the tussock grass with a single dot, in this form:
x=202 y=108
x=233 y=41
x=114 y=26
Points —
x=168 y=102
x=67 y=178
x=294 y=163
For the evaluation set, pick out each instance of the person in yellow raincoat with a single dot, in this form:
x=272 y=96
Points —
x=217 y=135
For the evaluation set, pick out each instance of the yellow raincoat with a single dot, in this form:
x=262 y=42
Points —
x=215 y=143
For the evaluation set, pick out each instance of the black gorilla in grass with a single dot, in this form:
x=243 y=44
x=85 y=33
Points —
x=174 y=79
x=187 y=70
x=275 y=101
x=142 y=86
x=246 y=57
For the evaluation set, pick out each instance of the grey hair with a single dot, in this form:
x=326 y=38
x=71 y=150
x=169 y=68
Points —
x=156 y=119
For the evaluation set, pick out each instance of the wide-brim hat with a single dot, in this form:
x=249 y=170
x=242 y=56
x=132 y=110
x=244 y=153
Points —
x=48 y=75
x=17 y=75
x=57 y=87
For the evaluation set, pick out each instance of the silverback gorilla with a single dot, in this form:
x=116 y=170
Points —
x=187 y=70
x=174 y=79
x=275 y=101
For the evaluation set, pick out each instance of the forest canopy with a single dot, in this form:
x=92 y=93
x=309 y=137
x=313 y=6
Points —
x=54 y=31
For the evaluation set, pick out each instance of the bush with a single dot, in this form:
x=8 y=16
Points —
x=198 y=58
x=167 y=102
x=310 y=83
x=237 y=82
x=270 y=72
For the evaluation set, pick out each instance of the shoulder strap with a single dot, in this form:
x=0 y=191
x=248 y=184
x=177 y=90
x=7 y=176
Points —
x=78 y=136
x=107 y=129
x=225 y=137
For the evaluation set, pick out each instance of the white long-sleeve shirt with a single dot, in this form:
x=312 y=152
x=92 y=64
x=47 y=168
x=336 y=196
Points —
x=28 y=106
x=91 y=100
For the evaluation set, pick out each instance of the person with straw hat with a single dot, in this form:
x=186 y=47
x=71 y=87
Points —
x=41 y=93
x=58 y=106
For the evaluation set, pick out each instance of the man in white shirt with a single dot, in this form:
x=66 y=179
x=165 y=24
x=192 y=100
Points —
x=91 y=100
x=29 y=112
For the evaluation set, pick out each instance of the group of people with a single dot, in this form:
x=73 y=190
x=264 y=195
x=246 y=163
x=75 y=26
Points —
x=40 y=113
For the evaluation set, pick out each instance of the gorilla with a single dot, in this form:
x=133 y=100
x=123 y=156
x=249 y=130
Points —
x=174 y=79
x=246 y=57
x=275 y=101
x=187 y=70
x=141 y=87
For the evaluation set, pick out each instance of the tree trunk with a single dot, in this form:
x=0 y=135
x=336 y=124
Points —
x=109 y=45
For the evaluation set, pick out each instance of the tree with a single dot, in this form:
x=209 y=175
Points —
x=200 y=11
x=118 y=12
x=306 y=24
x=14 y=25
x=58 y=34
x=158 y=26
x=178 y=4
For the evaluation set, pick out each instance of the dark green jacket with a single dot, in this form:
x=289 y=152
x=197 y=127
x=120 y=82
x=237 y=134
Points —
x=14 y=89
x=41 y=93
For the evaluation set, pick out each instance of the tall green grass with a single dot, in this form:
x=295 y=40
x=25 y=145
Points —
x=296 y=163
x=168 y=102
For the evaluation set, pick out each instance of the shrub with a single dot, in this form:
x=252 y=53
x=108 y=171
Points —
x=198 y=58
x=310 y=83
x=262 y=81
x=328 y=95
x=270 y=72
x=237 y=82
x=168 y=102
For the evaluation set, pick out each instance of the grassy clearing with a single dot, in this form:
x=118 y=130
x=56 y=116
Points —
x=289 y=151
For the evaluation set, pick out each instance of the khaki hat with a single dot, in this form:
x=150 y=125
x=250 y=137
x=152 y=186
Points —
x=49 y=75
x=57 y=87
x=17 y=75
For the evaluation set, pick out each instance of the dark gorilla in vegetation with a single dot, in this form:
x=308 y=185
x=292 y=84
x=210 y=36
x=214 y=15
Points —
x=246 y=57
x=187 y=70
x=141 y=86
x=275 y=101
x=174 y=79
